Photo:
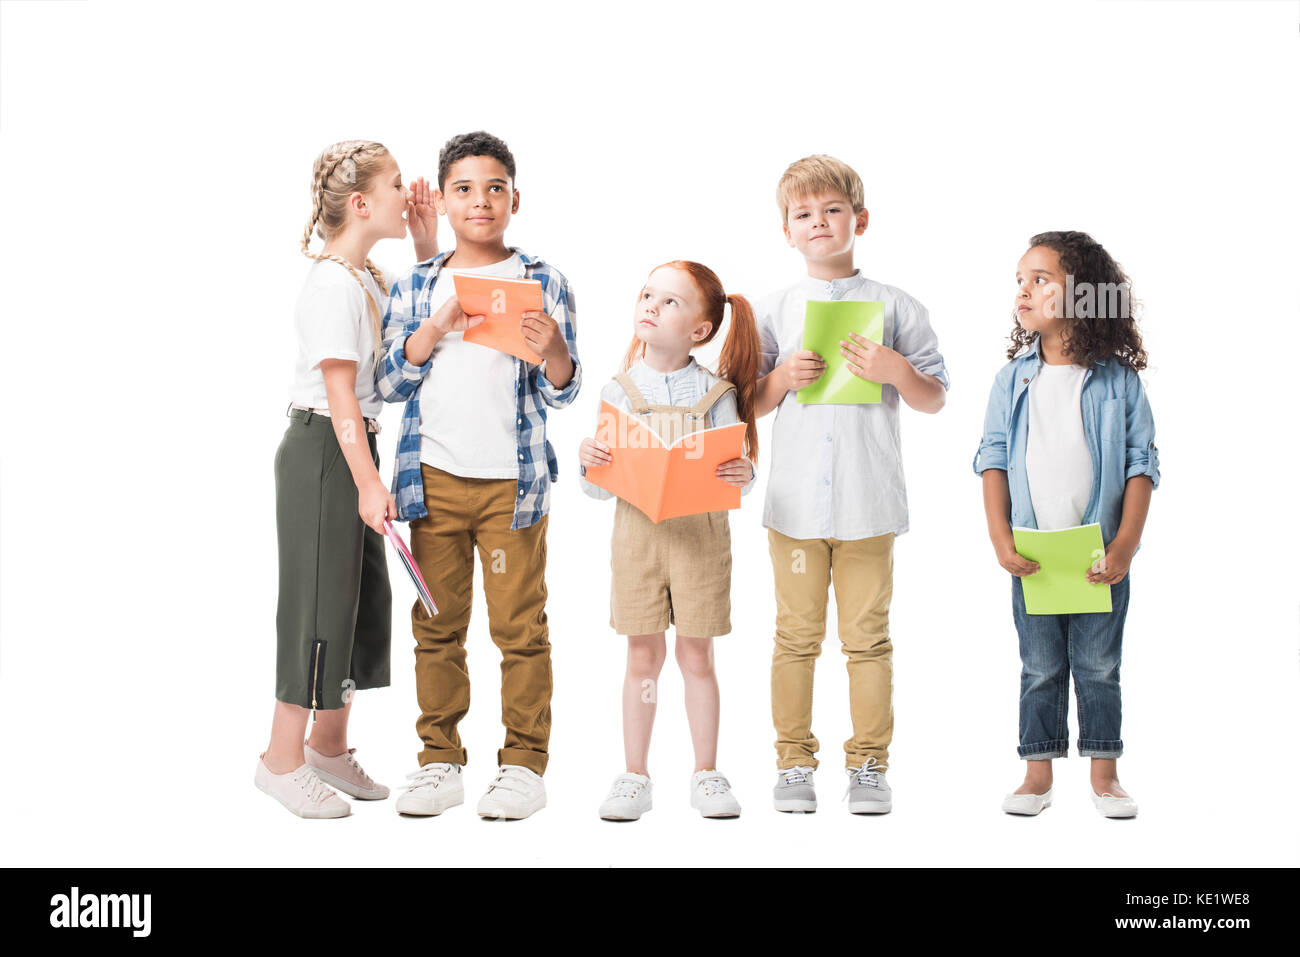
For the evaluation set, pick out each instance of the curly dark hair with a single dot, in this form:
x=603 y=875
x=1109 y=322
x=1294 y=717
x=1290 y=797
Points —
x=1106 y=328
x=477 y=143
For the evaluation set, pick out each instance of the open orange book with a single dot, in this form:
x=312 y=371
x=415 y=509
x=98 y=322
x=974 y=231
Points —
x=502 y=302
x=666 y=481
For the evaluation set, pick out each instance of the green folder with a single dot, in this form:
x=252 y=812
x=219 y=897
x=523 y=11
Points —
x=1060 y=586
x=824 y=325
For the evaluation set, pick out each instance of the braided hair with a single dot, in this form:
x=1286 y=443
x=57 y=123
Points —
x=340 y=170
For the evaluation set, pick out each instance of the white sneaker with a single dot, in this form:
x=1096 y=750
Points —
x=301 y=792
x=513 y=795
x=794 y=791
x=628 y=799
x=711 y=795
x=344 y=773
x=432 y=789
x=1108 y=805
x=1027 y=804
x=869 y=792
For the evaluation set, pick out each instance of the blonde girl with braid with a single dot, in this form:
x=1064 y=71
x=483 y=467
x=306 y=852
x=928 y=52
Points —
x=333 y=618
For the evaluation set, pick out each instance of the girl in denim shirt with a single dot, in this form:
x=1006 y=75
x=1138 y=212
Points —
x=1069 y=440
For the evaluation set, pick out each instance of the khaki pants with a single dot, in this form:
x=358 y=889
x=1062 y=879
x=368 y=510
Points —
x=863 y=574
x=464 y=514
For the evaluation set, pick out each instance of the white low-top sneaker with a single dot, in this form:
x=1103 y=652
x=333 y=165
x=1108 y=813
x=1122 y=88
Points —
x=514 y=794
x=301 y=792
x=794 y=790
x=342 y=771
x=711 y=795
x=628 y=799
x=1108 y=805
x=431 y=790
x=1027 y=804
x=869 y=792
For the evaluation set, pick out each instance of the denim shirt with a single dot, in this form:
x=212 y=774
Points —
x=1117 y=425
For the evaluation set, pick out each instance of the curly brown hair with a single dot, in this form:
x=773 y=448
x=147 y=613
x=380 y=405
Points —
x=1100 y=332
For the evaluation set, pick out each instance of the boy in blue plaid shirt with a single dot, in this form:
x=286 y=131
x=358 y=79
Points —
x=473 y=471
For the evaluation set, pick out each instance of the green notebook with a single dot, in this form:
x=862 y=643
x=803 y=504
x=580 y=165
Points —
x=1060 y=586
x=824 y=325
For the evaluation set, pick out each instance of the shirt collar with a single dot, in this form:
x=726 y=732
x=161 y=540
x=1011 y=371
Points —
x=833 y=287
x=689 y=368
x=436 y=262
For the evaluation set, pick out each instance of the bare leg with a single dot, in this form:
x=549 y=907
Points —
x=695 y=658
x=1038 y=778
x=329 y=732
x=1105 y=777
x=288 y=728
x=645 y=659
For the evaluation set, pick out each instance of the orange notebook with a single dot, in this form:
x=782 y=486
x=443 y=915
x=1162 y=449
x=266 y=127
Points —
x=666 y=481
x=502 y=302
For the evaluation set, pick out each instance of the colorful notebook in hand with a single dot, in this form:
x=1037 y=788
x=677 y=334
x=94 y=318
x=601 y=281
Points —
x=502 y=302
x=1060 y=586
x=824 y=325
x=408 y=561
x=666 y=481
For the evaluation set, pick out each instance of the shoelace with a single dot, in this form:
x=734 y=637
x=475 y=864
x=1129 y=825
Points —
x=625 y=788
x=714 y=784
x=511 y=779
x=430 y=774
x=797 y=775
x=868 y=775
x=366 y=779
x=317 y=790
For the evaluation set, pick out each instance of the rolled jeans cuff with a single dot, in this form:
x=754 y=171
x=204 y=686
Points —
x=1100 y=749
x=1044 y=750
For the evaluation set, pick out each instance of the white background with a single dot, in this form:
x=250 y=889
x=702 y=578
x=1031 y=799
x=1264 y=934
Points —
x=156 y=166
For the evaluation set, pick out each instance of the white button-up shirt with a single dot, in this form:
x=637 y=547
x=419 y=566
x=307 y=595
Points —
x=837 y=470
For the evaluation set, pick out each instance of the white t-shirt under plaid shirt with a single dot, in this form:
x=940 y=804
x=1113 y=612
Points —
x=837 y=470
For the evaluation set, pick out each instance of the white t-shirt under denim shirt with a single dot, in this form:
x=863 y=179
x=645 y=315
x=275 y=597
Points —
x=684 y=387
x=333 y=321
x=467 y=401
x=837 y=470
x=1058 y=465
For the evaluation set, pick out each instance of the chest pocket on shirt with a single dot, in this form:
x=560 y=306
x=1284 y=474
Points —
x=1110 y=422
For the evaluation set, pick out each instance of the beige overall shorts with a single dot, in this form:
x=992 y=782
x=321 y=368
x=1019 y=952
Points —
x=678 y=571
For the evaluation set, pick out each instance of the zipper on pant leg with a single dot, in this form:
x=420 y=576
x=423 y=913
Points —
x=316 y=671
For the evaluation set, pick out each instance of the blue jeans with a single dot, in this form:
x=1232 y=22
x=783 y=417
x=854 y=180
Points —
x=1053 y=647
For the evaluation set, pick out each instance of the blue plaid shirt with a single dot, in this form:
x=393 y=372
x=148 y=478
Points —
x=399 y=380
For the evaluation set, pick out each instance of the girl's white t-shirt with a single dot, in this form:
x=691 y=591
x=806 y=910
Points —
x=333 y=321
x=467 y=401
x=1058 y=464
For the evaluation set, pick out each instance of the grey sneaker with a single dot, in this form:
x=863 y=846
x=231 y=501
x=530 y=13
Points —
x=794 y=790
x=868 y=791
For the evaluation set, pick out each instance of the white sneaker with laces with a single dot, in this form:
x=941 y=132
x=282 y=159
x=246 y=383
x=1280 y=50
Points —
x=794 y=792
x=868 y=791
x=301 y=792
x=711 y=795
x=628 y=799
x=514 y=794
x=432 y=789
x=342 y=771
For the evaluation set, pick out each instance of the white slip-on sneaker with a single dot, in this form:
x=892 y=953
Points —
x=301 y=792
x=1027 y=804
x=342 y=771
x=514 y=794
x=628 y=799
x=1108 y=805
x=794 y=790
x=711 y=795
x=431 y=790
